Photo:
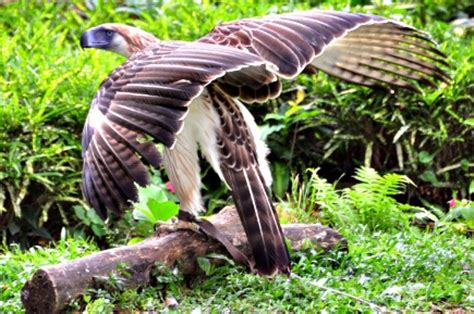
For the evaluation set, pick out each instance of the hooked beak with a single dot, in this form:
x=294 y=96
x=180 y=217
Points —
x=88 y=40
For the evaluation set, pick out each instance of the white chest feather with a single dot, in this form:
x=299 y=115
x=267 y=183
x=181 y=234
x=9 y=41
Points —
x=200 y=131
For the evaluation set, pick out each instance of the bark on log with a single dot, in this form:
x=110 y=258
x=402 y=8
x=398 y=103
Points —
x=52 y=287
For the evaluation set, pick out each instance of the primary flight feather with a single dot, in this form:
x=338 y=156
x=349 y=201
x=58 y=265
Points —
x=188 y=96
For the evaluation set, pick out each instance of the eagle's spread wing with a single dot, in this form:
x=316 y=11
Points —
x=148 y=96
x=359 y=48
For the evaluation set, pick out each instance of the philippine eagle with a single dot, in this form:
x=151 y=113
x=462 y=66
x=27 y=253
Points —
x=190 y=95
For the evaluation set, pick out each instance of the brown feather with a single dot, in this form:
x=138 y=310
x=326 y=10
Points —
x=239 y=165
x=150 y=94
x=327 y=40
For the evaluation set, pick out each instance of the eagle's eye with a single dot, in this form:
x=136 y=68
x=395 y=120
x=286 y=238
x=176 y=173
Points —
x=109 y=33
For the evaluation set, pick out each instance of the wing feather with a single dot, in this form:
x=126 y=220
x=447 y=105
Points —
x=101 y=182
x=90 y=193
x=130 y=138
x=351 y=46
x=149 y=95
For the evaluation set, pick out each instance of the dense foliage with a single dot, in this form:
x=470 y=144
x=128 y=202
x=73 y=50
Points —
x=47 y=83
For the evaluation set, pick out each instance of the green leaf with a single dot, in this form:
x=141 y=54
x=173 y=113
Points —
x=464 y=164
x=205 y=265
x=162 y=211
x=400 y=132
x=469 y=121
x=81 y=214
x=221 y=257
x=425 y=157
x=429 y=176
x=93 y=217
x=281 y=179
x=142 y=213
x=156 y=192
x=266 y=130
x=135 y=240
x=292 y=110
x=99 y=230
x=274 y=116
x=154 y=204
x=468 y=212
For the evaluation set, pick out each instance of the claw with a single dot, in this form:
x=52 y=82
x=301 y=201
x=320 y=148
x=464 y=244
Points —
x=174 y=226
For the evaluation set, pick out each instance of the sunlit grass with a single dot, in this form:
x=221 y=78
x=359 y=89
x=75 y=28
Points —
x=17 y=266
x=410 y=269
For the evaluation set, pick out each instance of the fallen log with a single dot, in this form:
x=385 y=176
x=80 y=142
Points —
x=51 y=288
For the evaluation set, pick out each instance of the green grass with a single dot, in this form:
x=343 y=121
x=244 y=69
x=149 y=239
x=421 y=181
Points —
x=47 y=84
x=387 y=267
x=398 y=270
x=17 y=266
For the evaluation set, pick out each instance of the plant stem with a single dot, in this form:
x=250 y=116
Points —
x=373 y=306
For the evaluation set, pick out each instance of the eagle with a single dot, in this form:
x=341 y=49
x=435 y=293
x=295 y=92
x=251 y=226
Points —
x=192 y=96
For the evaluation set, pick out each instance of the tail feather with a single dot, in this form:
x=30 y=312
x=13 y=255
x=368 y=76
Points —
x=239 y=156
x=259 y=220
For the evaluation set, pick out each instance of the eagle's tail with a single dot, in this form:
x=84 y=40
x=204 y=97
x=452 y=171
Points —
x=259 y=220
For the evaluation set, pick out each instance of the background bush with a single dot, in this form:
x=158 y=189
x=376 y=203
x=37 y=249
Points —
x=47 y=84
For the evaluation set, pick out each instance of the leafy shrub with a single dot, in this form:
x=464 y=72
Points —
x=370 y=202
x=333 y=125
x=373 y=199
x=463 y=211
x=460 y=217
x=47 y=83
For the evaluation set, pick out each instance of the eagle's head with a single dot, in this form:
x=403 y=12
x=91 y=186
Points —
x=119 y=38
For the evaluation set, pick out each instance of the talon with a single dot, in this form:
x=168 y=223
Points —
x=175 y=225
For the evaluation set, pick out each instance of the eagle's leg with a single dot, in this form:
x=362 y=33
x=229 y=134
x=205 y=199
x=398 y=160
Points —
x=188 y=221
x=176 y=224
x=182 y=165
